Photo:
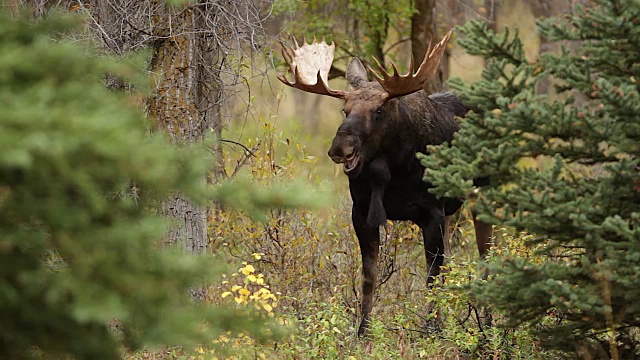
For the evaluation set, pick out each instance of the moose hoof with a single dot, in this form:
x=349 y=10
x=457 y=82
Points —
x=363 y=329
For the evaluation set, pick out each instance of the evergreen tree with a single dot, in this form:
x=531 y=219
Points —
x=79 y=243
x=563 y=167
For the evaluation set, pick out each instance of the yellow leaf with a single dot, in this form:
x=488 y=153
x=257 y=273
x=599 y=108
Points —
x=238 y=300
x=236 y=288
x=244 y=292
x=247 y=269
x=252 y=278
x=267 y=307
x=225 y=294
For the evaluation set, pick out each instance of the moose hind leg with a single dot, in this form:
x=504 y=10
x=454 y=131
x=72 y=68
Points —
x=484 y=237
x=484 y=234
x=369 y=240
x=433 y=232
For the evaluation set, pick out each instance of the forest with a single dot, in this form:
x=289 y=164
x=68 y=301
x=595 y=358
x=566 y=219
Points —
x=175 y=185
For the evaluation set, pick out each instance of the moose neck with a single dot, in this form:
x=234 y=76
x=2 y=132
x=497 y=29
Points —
x=420 y=120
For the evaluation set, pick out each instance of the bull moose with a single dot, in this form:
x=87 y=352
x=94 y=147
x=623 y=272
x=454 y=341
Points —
x=386 y=123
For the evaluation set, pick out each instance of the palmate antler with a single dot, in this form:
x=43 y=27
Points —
x=310 y=64
x=399 y=85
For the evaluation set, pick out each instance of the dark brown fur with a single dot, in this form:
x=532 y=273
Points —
x=378 y=142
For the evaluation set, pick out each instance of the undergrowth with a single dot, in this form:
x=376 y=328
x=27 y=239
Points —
x=311 y=260
x=302 y=269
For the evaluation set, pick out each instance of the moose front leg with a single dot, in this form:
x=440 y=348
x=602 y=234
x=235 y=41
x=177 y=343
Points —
x=379 y=175
x=369 y=240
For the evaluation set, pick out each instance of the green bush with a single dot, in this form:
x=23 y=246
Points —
x=563 y=167
x=82 y=274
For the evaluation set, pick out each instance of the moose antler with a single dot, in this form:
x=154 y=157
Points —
x=310 y=64
x=399 y=85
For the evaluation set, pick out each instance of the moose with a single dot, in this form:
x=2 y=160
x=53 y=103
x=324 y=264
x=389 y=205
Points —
x=387 y=121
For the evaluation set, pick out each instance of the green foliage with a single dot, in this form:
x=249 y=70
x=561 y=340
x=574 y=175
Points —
x=81 y=271
x=563 y=167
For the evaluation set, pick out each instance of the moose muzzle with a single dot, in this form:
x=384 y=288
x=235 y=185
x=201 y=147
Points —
x=345 y=149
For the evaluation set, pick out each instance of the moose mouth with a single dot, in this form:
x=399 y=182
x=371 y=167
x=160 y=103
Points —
x=351 y=163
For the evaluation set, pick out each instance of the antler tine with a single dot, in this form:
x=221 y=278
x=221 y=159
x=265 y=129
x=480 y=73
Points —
x=386 y=76
x=430 y=48
x=395 y=70
x=379 y=78
x=310 y=65
x=399 y=85
x=434 y=54
x=411 y=65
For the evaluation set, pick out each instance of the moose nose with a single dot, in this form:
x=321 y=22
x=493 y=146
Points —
x=340 y=154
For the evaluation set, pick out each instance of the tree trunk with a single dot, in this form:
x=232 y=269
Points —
x=188 y=224
x=546 y=9
x=422 y=32
x=174 y=108
x=192 y=45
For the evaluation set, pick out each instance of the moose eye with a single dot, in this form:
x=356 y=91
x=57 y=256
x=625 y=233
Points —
x=379 y=111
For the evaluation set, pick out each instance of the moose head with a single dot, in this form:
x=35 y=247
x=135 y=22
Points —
x=368 y=105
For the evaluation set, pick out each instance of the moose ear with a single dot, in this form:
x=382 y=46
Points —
x=356 y=73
